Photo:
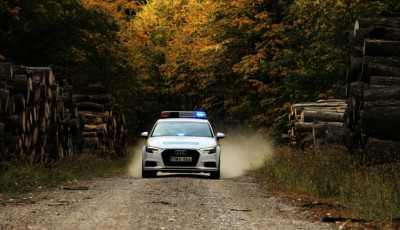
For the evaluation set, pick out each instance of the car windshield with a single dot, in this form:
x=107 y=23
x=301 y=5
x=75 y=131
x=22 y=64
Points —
x=182 y=128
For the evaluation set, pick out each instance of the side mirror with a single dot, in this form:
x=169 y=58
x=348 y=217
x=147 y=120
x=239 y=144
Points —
x=220 y=136
x=144 y=134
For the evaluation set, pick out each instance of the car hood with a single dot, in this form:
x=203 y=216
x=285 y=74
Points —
x=181 y=142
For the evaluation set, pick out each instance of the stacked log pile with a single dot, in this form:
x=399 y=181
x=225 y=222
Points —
x=318 y=122
x=39 y=119
x=373 y=84
x=35 y=124
x=103 y=125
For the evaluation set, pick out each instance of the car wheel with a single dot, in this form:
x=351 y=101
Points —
x=148 y=174
x=215 y=175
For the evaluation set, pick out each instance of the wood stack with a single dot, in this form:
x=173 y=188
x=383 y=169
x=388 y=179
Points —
x=40 y=122
x=103 y=125
x=373 y=83
x=317 y=122
x=33 y=116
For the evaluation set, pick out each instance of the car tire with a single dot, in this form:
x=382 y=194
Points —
x=215 y=175
x=148 y=174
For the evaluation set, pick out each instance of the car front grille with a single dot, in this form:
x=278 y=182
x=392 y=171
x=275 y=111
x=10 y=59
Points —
x=169 y=153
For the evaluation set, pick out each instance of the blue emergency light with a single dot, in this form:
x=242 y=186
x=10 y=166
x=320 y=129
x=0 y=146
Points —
x=201 y=114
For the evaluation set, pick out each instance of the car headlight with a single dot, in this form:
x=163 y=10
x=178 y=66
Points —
x=151 y=149
x=210 y=150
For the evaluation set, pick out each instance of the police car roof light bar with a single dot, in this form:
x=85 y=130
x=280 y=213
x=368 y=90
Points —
x=183 y=114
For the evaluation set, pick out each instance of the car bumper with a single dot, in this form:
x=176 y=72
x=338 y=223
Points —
x=205 y=163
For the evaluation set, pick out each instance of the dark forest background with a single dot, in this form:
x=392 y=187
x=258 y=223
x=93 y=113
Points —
x=242 y=61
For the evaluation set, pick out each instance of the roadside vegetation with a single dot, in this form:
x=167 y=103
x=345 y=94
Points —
x=362 y=190
x=23 y=177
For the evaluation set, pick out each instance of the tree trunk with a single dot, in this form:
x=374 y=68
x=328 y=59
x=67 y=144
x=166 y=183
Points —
x=372 y=69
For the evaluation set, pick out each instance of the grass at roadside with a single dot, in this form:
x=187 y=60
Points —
x=23 y=177
x=367 y=191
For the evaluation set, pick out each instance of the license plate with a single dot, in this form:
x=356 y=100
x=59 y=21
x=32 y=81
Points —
x=180 y=159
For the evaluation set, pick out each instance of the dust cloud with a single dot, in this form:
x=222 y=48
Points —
x=135 y=167
x=243 y=153
x=239 y=154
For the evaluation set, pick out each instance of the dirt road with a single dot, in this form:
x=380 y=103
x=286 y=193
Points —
x=166 y=202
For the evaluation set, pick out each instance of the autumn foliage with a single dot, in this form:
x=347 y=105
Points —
x=243 y=61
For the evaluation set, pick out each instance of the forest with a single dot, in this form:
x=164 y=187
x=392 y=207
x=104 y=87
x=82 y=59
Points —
x=242 y=61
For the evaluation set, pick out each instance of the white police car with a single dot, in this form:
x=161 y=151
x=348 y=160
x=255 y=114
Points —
x=181 y=141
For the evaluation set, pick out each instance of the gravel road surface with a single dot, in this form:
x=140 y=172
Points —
x=170 y=201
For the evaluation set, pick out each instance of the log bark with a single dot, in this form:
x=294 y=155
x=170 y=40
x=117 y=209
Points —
x=310 y=116
x=378 y=48
x=382 y=151
x=42 y=124
x=20 y=103
x=356 y=97
x=384 y=103
x=35 y=134
x=384 y=81
x=377 y=93
x=298 y=108
x=96 y=121
x=89 y=134
x=372 y=69
x=20 y=84
x=94 y=115
x=2 y=125
x=330 y=132
x=91 y=142
x=377 y=22
x=304 y=140
x=387 y=61
x=35 y=95
x=45 y=72
x=6 y=68
x=100 y=99
x=92 y=128
x=4 y=100
x=378 y=32
x=381 y=122
x=90 y=106
x=15 y=121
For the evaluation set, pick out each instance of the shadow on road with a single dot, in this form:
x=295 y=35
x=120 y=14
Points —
x=190 y=175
